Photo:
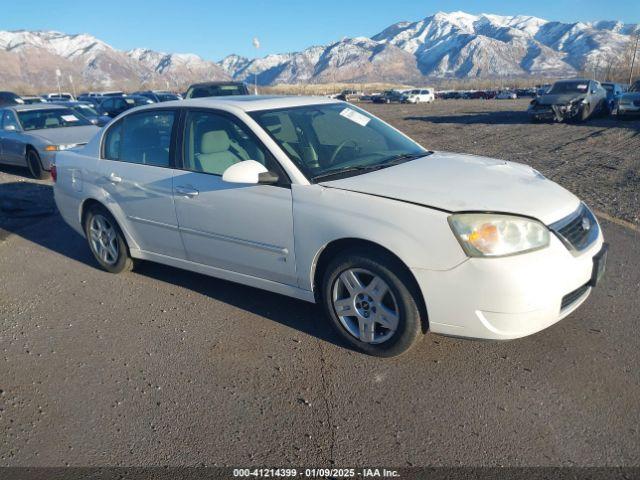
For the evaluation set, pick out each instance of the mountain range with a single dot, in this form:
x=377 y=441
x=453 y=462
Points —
x=443 y=45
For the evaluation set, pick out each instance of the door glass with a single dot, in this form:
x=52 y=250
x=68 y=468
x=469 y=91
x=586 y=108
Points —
x=145 y=138
x=214 y=142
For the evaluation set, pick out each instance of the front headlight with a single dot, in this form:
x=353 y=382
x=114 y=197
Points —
x=56 y=148
x=497 y=235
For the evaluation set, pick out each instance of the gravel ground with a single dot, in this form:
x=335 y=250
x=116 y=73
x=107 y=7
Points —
x=166 y=367
x=598 y=160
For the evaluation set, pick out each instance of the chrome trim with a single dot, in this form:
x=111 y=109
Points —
x=239 y=241
x=152 y=222
x=594 y=232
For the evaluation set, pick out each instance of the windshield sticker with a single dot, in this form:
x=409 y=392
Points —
x=582 y=87
x=69 y=118
x=355 y=117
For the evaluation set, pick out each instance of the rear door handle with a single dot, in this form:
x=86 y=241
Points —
x=188 y=192
x=113 y=178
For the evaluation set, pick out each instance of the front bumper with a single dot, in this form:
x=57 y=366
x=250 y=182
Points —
x=558 y=113
x=628 y=109
x=46 y=158
x=509 y=297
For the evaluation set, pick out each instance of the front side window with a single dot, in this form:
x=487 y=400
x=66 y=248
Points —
x=330 y=139
x=213 y=142
x=142 y=138
x=50 y=118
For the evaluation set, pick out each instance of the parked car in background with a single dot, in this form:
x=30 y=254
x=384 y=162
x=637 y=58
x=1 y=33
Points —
x=216 y=89
x=387 y=96
x=614 y=92
x=506 y=95
x=64 y=96
x=349 y=95
x=159 y=96
x=570 y=100
x=420 y=95
x=30 y=135
x=526 y=92
x=10 y=98
x=629 y=102
x=30 y=100
x=114 y=106
x=88 y=111
x=319 y=200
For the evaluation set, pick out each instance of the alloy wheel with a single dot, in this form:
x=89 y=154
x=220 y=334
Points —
x=104 y=240
x=365 y=305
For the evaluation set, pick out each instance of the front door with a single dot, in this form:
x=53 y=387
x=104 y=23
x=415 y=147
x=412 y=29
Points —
x=137 y=173
x=242 y=228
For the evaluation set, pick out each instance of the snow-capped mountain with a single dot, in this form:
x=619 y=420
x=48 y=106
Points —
x=454 y=44
x=31 y=59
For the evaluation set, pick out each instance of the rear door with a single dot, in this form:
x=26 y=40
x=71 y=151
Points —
x=137 y=173
x=236 y=227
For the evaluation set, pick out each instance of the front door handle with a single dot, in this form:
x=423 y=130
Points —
x=188 y=192
x=113 y=178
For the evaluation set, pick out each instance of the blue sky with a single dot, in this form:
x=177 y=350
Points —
x=216 y=28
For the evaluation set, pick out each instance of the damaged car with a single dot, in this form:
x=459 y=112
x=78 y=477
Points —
x=569 y=100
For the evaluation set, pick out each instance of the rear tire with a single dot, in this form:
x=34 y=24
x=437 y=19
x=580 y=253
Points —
x=372 y=302
x=106 y=241
x=35 y=165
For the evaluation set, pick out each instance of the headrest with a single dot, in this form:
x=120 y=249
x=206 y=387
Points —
x=51 y=122
x=215 y=141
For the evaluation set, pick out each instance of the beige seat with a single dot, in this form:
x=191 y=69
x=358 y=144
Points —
x=51 y=122
x=217 y=153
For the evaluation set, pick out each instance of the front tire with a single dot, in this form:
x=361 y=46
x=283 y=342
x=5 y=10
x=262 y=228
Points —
x=35 y=165
x=372 y=303
x=106 y=240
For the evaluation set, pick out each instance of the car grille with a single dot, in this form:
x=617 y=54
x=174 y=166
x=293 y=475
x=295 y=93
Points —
x=570 y=298
x=577 y=231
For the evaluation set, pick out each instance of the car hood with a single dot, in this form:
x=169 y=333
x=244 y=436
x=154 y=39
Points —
x=458 y=182
x=58 y=136
x=560 y=99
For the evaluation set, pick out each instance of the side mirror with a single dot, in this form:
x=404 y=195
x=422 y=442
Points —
x=10 y=128
x=250 y=172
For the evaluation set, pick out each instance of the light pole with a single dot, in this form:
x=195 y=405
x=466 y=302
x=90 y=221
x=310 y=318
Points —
x=256 y=44
x=73 y=86
x=58 y=75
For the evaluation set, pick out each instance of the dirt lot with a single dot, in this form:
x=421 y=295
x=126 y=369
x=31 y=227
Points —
x=166 y=367
x=598 y=160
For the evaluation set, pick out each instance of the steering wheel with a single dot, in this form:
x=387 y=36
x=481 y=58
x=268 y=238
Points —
x=339 y=149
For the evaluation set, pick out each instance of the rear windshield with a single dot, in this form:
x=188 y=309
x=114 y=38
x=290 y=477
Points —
x=570 y=87
x=43 y=119
x=217 y=91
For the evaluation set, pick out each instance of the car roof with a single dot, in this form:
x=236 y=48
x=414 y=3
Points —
x=248 y=103
x=34 y=106
x=575 y=80
x=209 y=84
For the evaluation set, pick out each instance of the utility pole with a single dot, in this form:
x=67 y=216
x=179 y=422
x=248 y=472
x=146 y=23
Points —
x=633 y=60
x=73 y=86
x=256 y=44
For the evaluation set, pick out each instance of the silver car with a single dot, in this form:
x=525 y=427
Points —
x=30 y=135
x=570 y=100
x=629 y=102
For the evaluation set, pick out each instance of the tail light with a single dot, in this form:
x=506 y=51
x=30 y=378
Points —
x=54 y=173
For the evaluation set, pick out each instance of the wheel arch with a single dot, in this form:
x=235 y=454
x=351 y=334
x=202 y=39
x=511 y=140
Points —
x=335 y=247
x=88 y=202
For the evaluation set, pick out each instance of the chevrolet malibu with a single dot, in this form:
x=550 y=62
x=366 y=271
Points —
x=319 y=200
x=30 y=135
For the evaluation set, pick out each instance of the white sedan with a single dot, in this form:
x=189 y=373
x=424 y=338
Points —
x=319 y=200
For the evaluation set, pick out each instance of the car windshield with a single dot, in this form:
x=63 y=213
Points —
x=50 y=118
x=336 y=140
x=85 y=110
x=569 y=87
x=217 y=91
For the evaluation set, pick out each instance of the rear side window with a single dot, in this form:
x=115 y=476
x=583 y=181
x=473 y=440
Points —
x=143 y=138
